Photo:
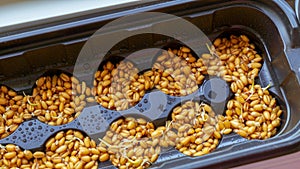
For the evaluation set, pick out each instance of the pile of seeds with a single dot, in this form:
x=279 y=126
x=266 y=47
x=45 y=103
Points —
x=119 y=86
x=175 y=72
x=12 y=157
x=57 y=100
x=164 y=135
x=135 y=143
x=68 y=149
x=249 y=113
x=129 y=145
x=178 y=73
x=12 y=108
x=253 y=113
x=196 y=128
x=234 y=59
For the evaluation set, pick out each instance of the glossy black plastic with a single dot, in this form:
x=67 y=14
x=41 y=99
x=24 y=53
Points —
x=270 y=25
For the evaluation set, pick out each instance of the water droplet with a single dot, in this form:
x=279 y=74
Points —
x=40 y=127
x=146 y=101
x=51 y=130
x=30 y=123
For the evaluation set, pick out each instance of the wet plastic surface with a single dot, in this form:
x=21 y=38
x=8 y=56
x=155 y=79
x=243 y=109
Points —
x=269 y=26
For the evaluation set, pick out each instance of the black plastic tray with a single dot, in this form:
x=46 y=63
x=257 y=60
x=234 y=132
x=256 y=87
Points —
x=270 y=25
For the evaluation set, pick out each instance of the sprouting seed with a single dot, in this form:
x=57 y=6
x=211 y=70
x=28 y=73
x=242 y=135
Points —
x=28 y=101
x=241 y=115
x=267 y=87
x=2 y=146
x=59 y=116
x=201 y=112
x=211 y=51
x=145 y=161
x=251 y=91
